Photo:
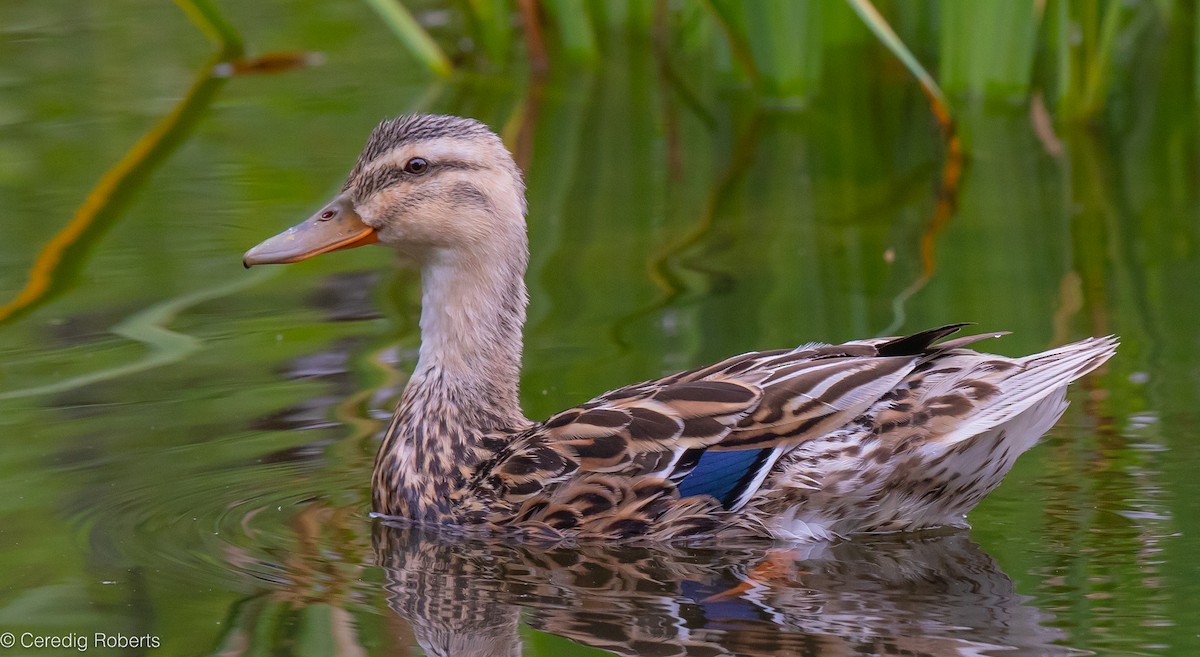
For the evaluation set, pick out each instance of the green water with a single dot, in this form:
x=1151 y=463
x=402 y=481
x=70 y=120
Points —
x=185 y=447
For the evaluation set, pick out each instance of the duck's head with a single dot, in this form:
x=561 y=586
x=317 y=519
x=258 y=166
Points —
x=423 y=184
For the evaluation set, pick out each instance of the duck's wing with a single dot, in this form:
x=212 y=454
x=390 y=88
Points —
x=712 y=433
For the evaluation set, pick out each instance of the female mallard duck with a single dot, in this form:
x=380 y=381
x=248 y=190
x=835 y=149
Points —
x=822 y=440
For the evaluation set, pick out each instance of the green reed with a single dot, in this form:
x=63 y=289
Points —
x=986 y=47
x=1077 y=53
x=414 y=37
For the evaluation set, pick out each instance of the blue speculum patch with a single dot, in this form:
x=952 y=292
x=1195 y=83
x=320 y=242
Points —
x=724 y=475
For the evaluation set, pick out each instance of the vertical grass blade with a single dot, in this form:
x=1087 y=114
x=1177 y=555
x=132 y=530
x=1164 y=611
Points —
x=491 y=19
x=1060 y=31
x=727 y=18
x=879 y=26
x=1098 y=80
x=414 y=38
x=787 y=43
x=574 y=28
x=531 y=29
x=987 y=47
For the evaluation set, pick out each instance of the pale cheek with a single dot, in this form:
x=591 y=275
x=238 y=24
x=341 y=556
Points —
x=425 y=229
x=394 y=235
x=443 y=229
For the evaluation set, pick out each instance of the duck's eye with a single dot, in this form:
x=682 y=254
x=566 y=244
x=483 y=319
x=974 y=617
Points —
x=416 y=166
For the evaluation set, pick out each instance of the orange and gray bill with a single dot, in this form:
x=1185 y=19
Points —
x=333 y=227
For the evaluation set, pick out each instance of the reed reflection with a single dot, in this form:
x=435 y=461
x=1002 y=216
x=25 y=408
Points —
x=925 y=595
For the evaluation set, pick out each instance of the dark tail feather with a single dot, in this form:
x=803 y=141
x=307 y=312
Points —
x=917 y=343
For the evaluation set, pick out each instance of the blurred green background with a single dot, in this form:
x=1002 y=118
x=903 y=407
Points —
x=186 y=446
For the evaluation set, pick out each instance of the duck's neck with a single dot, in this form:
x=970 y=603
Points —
x=465 y=385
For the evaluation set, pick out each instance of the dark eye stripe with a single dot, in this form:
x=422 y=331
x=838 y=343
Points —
x=378 y=179
x=455 y=164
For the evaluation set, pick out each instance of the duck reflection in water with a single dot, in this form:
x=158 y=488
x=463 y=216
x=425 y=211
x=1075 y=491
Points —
x=932 y=594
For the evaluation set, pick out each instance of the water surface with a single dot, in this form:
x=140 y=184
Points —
x=187 y=446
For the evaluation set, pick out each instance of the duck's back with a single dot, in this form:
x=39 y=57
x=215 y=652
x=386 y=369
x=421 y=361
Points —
x=823 y=440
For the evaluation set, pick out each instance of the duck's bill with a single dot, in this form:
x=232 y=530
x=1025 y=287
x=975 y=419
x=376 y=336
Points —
x=335 y=226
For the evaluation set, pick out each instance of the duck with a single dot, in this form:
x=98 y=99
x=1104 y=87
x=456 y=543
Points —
x=816 y=442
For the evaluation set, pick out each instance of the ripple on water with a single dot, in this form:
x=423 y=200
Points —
x=238 y=528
